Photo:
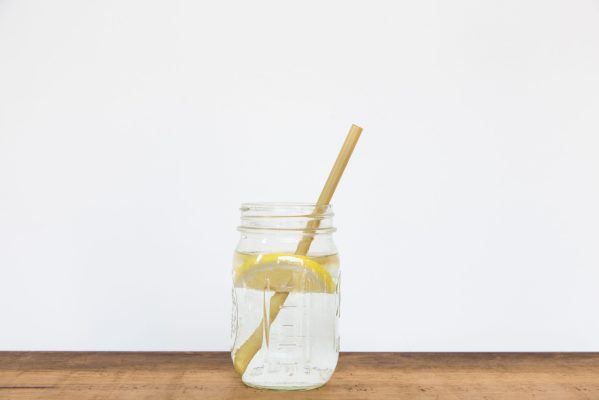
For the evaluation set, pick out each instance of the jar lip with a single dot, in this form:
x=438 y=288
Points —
x=285 y=209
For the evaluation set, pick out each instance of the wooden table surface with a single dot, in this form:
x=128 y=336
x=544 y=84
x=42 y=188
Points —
x=60 y=375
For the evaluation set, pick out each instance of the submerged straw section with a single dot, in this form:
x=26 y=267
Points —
x=248 y=350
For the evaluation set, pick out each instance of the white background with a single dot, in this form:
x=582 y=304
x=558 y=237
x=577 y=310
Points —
x=130 y=132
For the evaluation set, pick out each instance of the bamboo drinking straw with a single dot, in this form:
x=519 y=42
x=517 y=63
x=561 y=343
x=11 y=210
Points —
x=252 y=345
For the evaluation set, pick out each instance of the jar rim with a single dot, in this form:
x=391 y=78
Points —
x=277 y=205
x=286 y=210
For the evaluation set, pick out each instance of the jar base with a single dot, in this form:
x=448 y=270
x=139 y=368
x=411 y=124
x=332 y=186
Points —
x=274 y=376
x=284 y=388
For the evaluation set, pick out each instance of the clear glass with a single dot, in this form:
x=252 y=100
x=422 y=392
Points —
x=285 y=303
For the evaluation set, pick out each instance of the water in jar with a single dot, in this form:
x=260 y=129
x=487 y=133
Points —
x=299 y=347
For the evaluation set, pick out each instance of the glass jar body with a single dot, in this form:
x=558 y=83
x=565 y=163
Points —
x=285 y=303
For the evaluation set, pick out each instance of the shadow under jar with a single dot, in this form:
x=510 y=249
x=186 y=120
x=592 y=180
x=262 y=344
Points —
x=285 y=302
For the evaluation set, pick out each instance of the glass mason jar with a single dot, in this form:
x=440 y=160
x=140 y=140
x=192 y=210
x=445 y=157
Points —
x=285 y=296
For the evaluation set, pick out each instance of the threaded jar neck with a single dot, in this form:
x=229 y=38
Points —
x=286 y=217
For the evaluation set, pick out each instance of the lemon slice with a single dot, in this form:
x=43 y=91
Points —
x=284 y=272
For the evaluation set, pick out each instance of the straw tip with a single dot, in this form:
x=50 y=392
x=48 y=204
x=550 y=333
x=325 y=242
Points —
x=354 y=126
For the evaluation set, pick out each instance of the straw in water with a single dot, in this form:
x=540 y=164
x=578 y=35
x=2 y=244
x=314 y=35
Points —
x=243 y=356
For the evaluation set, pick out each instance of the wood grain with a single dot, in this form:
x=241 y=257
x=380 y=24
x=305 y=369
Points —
x=60 y=375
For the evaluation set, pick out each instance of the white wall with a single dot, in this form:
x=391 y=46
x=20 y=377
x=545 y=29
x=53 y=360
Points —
x=130 y=132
